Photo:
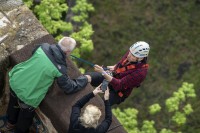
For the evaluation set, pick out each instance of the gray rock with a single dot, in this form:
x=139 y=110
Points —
x=6 y=5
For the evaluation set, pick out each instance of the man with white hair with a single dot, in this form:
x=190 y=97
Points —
x=30 y=80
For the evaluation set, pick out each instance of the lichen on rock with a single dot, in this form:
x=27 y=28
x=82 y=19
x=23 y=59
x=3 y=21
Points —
x=9 y=4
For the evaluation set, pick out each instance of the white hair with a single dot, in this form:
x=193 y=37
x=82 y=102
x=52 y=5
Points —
x=90 y=116
x=67 y=43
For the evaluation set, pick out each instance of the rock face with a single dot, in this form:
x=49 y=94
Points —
x=20 y=29
x=6 y=5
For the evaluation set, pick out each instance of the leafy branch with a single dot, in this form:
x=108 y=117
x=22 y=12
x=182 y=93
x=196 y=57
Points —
x=177 y=113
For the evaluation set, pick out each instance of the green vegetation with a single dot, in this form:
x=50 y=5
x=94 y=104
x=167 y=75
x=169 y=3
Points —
x=173 y=114
x=172 y=29
x=52 y=14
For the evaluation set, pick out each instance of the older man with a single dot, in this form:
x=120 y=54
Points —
x=31 y=79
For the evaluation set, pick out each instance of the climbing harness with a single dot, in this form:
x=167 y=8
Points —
x=127 y=67
x=124 y=67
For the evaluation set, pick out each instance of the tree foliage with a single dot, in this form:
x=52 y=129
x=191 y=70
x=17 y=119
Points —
x=172 y=29
x=52 y=14
x=177 y=108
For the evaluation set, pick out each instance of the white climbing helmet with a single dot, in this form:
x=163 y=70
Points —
x=140 y=49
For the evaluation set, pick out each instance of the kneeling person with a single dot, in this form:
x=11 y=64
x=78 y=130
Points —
x=30 y=80
x=87 y=122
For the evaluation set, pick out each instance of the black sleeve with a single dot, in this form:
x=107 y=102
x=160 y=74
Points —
x=76 y=108
x=71 y=85
x=105 y=124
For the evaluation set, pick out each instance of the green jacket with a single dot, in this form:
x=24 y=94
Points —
x=30 y=80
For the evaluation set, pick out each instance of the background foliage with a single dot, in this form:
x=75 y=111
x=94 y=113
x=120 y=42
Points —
x=60 y=18
x=172 y=29
x=170 y=118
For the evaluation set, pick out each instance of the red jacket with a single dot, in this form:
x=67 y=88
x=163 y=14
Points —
x=125 y=81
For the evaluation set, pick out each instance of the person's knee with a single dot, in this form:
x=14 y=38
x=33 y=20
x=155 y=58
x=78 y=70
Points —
x=97 y=78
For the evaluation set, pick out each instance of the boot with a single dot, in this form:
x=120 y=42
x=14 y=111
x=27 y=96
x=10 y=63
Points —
x=7 y=127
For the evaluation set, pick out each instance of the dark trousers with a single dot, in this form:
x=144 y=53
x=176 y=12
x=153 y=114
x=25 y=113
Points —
x=21 y=116
x=97 y=79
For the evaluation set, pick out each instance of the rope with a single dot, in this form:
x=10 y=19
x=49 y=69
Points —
x=86 y=62
x=82 y=60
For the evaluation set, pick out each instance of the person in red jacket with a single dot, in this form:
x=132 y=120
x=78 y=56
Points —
x=127 y=74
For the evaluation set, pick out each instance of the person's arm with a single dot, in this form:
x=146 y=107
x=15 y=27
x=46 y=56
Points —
x=99 y=69
x=105 y=124
x=129 y=81
x=76 y=108
x=72 y=85
x=111 y=68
